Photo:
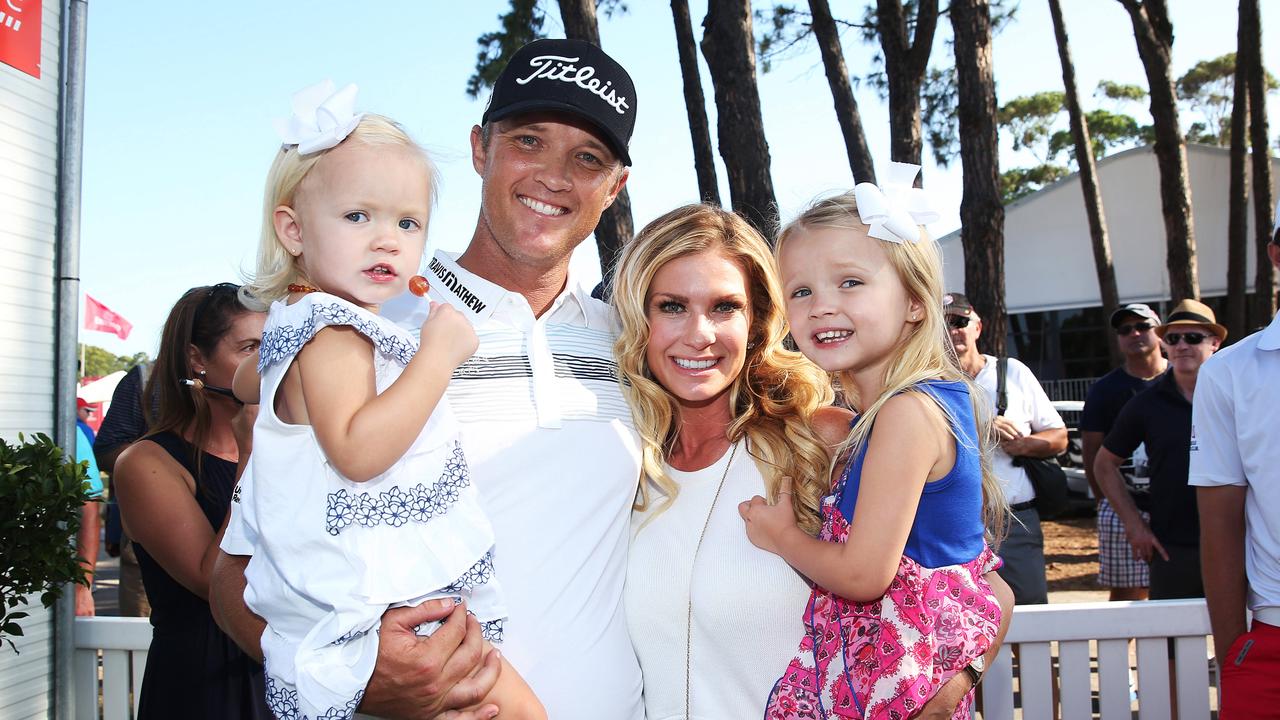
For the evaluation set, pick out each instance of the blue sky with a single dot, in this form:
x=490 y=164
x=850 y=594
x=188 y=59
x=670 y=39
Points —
x=180 y=98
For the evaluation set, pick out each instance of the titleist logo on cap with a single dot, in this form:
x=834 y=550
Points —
x=558 y=67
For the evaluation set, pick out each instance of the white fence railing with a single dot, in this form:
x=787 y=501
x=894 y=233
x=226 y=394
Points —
x=1081 y=648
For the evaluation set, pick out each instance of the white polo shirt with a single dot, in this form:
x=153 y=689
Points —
x=553 y=452
x=1029 y=409
x=1235 y=424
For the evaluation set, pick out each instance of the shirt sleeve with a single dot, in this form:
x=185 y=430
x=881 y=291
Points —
x=84 y=452
x=124 y=422
x=1040 y=408
x=1127 y=432
x=1093 y=416
x=1215 y=452
x=241 y=537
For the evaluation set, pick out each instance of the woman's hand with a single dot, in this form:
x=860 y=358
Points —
x=767 y=524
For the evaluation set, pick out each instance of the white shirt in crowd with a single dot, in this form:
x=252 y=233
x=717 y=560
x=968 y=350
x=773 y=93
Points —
x=1235 y=423
x=748 y=604
x=1029 y=409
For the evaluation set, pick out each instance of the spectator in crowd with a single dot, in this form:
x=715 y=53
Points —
x=1160 y=418
x=124 y=423
x=1235 y=466
x=1029 y=427
x=1134 y=325
x=90 y=518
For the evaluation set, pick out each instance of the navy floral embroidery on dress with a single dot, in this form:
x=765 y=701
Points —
x=349 y=636
x=282 y=701
x=397 y=506
x=492 y=630
x=284 y=341
x=477 y=575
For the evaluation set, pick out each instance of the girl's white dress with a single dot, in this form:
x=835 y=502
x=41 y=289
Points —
x=332 y=555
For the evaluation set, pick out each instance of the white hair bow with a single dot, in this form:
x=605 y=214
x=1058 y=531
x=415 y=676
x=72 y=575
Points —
x=321 y=118
x=895 y=210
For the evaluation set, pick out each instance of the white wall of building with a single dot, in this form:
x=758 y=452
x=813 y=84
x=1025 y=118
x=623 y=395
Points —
x=1048 y=254
x=28 y=212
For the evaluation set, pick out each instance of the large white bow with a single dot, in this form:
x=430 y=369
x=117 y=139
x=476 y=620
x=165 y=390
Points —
x=321 y=118
x=894 y=209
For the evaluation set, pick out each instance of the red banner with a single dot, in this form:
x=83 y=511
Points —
x=101 y=318
x=20 y=22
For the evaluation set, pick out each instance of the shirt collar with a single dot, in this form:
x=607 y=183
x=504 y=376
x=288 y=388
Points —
x=1270 y=339
x=476 y=296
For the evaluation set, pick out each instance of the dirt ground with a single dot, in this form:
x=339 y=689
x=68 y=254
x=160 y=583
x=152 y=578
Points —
x=1071 y=553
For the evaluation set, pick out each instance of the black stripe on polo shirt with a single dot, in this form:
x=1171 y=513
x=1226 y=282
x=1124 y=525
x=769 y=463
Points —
x=517 y=366
x=585 y=368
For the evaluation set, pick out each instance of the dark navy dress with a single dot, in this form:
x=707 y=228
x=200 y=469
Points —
x=194 y=670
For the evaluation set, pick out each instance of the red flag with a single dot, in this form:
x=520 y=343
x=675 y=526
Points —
x=99 y=317
x=20 y=22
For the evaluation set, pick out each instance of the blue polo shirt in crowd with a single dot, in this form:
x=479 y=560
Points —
x=1160 y=417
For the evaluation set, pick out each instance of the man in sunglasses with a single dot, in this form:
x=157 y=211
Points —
x=1029 y=427
x=1134 y=325
x=1160 y=418
x=1235 y=466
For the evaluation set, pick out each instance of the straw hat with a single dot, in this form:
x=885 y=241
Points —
x=1192 y=312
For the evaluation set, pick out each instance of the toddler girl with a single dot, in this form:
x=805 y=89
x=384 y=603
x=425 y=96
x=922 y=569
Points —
x=357 y=493
x=899 y=603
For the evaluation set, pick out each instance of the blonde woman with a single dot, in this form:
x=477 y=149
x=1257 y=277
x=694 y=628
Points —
x=724 y=412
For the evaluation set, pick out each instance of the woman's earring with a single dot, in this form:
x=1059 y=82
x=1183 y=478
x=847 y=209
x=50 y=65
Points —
x=751 y=345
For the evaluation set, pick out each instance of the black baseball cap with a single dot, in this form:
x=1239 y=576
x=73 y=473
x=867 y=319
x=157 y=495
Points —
x=1141 y=310
x=571 y=76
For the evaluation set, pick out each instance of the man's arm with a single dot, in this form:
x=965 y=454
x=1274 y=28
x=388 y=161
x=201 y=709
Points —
x=1106 y=468
x=1044 y=444
x=1090 y=441
x=1226 y=586
x=87 y=547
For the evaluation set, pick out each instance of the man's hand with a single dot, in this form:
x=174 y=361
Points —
x=84 y=601
x=444 y=676
x=1143 y=542
x=1005 y=429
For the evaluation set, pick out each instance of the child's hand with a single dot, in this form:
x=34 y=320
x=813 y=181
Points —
x=448 y=332
x=768 y=524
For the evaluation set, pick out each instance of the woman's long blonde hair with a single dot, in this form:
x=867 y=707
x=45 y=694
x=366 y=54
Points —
x=775 y=396
x=276 y=267
x=925 y=354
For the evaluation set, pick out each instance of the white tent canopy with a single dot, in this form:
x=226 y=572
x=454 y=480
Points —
x=1049 y=256
x=100 y=390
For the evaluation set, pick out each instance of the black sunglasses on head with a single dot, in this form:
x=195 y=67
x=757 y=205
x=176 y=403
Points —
x=958 y=322
x=1130 y=327
x=1192 y=338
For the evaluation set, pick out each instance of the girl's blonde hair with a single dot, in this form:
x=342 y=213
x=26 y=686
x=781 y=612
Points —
x=925 y=354
x=276 y=267
x=775 y=396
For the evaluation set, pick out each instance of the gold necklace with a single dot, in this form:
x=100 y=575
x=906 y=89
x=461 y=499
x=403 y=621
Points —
x=688 y=634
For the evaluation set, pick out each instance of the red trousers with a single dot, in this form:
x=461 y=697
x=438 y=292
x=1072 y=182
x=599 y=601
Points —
x=1251 y=675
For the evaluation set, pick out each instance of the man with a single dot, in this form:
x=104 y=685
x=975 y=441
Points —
x=123 y=424
x=90 y=519
x=1029 y=427
x=1134 y=325
x=1160 y=418
x=546 y=428
x=1235 y=466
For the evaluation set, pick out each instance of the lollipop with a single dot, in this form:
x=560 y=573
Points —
x=419 y=286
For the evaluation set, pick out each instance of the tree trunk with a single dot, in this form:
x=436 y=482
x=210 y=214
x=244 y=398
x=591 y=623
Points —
x=905 y=62
x=1238 y=196
x=704 y=163
x=616 y=226
x=1250 y=56
x=855 y=142
x=981 y=213
x=728 y=44
x=1154 y=34
x=1102 y=264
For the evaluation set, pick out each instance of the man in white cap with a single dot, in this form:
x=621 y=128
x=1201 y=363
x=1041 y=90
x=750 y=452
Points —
x=1235 y=464
x=1134 y=325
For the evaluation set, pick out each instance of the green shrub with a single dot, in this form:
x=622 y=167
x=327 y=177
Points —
x=41 y=493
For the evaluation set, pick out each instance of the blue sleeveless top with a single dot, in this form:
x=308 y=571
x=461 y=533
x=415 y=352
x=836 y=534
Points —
x=948 y=527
